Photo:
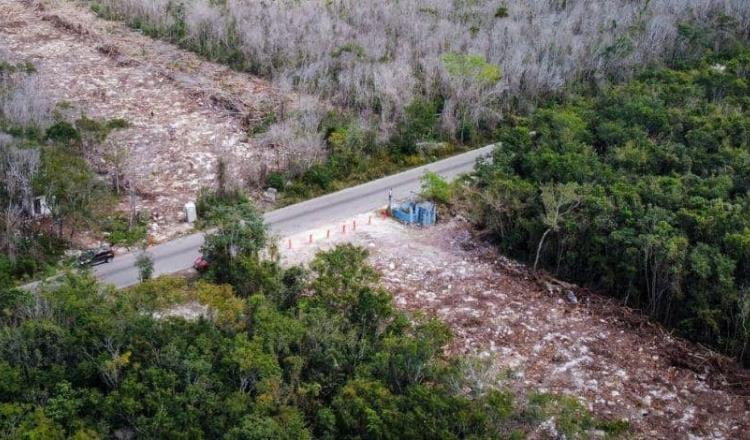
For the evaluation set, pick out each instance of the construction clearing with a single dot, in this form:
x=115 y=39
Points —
x=182 y=111
x=546 y=335
x=540 y=333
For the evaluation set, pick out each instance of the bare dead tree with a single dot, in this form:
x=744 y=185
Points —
x=297 y=136
x=227 y=170
x=559 y=200
x=24 y=103
x=378 y=56
x=118 y=159
x=134 y=177
x=17 y=170
x=743 y=321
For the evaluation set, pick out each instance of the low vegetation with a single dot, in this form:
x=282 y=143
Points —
x=435 y=188
x=344 y=169
x=640 y=190
x=120 y=232
x=283 y=353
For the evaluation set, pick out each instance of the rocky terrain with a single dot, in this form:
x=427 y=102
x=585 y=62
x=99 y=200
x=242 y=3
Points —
x=183 y=112
x=547 y=335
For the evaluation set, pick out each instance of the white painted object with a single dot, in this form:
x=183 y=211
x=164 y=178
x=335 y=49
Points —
x=191 y=214
x=270 y=195
x=40 y=207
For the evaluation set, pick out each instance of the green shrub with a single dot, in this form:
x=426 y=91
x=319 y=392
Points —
x=276 y=180
x=352 y=48
x=122 y=234
x=97 y=9
x=210 y=200
x=38 y=252
x=571 y=418
x=25 y=67
x=145 y=265
x=25 y=267
x=63 y=132
x=435 y=188
x=117 y=123
x=99 y=130
x=501 y=11
x=318 y=175
x=614 y=428
x=6 y=272
x=264 y=124
x=420 y=123
x=473 y=67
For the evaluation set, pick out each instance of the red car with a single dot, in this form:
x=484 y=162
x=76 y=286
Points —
x=200 y=264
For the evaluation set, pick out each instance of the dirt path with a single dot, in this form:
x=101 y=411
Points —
x=184 y=111
x=621 y=366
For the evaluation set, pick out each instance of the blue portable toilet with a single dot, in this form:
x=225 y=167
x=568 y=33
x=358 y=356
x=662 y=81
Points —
x=416 y=213
x=426 y=214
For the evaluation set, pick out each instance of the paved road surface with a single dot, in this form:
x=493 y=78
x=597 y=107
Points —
x=176 y=255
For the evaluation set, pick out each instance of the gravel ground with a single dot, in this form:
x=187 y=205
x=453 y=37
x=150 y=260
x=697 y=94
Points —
x=183 y=111
x=548 y=335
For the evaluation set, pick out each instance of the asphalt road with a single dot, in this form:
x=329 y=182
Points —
x=179 y=254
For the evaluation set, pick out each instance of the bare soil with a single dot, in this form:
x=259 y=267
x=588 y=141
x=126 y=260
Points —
x=548 y=335
x=183 y=111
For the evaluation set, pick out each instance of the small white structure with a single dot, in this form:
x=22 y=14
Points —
x=39 y=207
x=190 y=212
x=270 y=194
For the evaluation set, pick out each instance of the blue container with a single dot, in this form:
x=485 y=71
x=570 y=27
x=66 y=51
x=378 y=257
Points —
x=413 y=213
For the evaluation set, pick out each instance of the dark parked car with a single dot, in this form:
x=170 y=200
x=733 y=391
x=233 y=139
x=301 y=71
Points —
x=91 y=257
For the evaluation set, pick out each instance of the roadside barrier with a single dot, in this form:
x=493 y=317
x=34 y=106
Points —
x=310 y=239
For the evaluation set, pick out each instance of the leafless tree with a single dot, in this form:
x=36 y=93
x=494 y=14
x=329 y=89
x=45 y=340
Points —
x=663 y=261
x=118 y=159
x=376 y=57
x=297 y=139
x=24 y=103
x=743 y=321
x=559 y=200
x=133 y=178
x=17 y=170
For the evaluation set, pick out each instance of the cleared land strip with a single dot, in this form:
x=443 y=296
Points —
x=183 y=111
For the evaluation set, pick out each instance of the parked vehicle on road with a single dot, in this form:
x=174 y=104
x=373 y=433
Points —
x=92 y=257
x=200 y=264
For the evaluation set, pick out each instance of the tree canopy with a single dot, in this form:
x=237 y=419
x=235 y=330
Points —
x=277 y=353
x=661 y=171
